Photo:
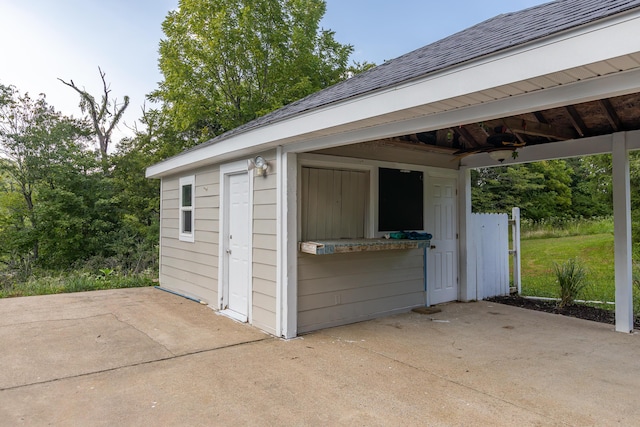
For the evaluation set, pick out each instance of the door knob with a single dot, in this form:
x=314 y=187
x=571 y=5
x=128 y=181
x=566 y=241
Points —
x=229 y=251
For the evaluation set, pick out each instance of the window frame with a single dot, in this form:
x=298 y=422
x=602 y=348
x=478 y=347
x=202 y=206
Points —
x=183 y=235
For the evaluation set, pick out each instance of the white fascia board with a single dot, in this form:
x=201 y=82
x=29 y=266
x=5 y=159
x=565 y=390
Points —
x=600 y=41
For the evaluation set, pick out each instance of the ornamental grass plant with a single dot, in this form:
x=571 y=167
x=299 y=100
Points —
x=572 y=280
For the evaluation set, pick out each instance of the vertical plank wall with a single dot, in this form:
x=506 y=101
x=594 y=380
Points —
x=346 y=288
x=265 y=248
x=333 y=203
x=191 y=268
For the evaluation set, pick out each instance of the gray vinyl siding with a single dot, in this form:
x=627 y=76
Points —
x=264 y=255
x=191 y=268
x=345 y=288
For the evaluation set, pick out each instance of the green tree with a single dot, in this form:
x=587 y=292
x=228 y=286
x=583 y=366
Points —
x=634 y=168
x=66 y=208
x=35 y=141
x=553 y=198
x=358 y=67
x=499 y=189
x=226 y=62
x=546 y=189
x=591 y=186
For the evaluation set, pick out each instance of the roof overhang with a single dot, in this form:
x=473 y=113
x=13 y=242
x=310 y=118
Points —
x=591 y=62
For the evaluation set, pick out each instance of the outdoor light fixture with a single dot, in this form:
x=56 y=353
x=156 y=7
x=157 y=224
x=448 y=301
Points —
x=259 y=166
x=501 y=155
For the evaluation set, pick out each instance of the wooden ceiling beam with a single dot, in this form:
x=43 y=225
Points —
x=464 y=133
x=611 y=115
x=576 y=120
x=540 y=117
x=528 y=127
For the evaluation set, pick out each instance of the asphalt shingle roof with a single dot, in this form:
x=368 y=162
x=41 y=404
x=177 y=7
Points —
x=496 y=34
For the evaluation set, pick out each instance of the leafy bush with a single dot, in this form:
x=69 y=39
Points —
x=572 y=279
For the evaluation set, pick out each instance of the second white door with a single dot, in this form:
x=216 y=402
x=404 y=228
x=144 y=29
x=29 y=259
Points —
x=442 y=265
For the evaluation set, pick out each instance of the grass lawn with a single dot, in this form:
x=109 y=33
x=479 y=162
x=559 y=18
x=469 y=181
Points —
x=594 y=251
x=78 y=281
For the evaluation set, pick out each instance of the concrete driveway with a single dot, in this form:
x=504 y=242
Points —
x=147 y=357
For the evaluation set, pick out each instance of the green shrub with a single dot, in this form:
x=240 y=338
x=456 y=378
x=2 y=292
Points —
x=572 y=279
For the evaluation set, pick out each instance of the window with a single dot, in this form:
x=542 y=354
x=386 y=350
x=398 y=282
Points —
x=187 y=208
x=400 y=200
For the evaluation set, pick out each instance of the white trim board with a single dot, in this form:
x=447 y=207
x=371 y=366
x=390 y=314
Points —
x=287 y=245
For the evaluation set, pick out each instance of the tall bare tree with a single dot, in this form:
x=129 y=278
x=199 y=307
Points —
x=104 y=115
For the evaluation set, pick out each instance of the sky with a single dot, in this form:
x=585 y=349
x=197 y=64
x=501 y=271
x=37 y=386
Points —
x=43 y=40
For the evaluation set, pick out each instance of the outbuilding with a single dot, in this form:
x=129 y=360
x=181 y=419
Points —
x=282 y=222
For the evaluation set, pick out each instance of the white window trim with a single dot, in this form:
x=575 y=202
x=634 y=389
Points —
x=187 y=237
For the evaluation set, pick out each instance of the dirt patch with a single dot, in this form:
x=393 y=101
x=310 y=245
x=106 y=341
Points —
x=580 y=311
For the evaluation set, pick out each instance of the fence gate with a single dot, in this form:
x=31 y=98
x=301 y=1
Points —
x=491 y=236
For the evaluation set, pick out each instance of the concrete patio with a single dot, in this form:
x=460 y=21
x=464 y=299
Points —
x=147 y=357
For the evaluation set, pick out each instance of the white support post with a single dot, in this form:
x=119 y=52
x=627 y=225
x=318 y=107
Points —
x=622 y=233
x=468 y=280
x=287 y=229
x=515 y=237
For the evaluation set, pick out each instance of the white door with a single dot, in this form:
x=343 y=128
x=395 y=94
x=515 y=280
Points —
x=237 y=252
x=442 y=260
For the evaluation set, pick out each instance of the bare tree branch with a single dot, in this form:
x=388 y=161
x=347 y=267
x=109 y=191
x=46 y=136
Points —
x=99 y=113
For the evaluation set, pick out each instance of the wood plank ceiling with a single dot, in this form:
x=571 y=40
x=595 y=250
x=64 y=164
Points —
x=600 y=117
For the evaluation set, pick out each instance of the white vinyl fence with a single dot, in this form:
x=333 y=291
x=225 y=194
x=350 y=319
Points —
x=491 y=236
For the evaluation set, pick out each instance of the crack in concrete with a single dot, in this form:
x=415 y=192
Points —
x=133 y=365
x=143 y=333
